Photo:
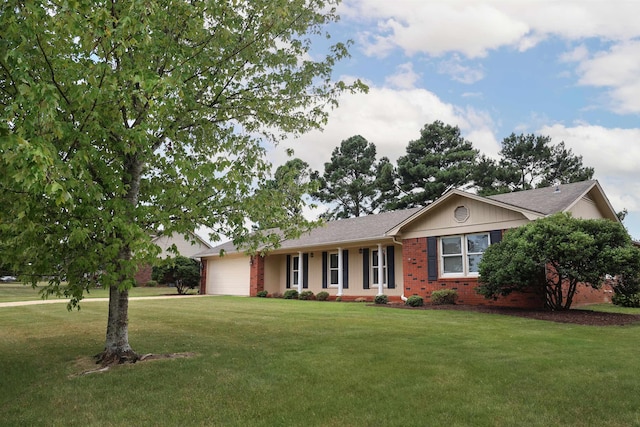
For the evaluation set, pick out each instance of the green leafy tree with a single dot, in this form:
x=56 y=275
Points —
x=440 y=160
x=180 y=271
x=349 y=179
x=292 y=185
x=386 y=186
x=553 y=255
x=121 y=118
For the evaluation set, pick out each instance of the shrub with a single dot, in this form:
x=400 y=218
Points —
x=322 y=296
x=291 y=294
x=444 y=296
x=414 y=301
x=151 y=283
x=632 y=300
x=338 y=299
x=306 y=295
x=381 y=299
x=262 y=294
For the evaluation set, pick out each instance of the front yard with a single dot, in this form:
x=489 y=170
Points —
x=280 y=362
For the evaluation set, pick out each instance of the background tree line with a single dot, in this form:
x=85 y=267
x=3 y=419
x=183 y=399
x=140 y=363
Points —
x=355 y=183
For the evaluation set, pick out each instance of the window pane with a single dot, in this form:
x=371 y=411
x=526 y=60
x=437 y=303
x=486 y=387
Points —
x=451 y=245
x=374 y=258
x=295 y=262
x=474 y=262
x=453 y=264
x=477 y=242
x=334 y=277
x=295 y=278
x=375 y=276
x=334 y=261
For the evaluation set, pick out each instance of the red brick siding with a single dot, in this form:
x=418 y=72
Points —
x=414 y=263
x=143 y=275
x=256 y=275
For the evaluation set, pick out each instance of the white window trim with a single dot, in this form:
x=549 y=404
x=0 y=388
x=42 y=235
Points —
x=374 y=268
x=329 y=284
x=294 y=270
x=465 y=256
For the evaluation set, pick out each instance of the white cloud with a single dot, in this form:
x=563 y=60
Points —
x=389 y=118
x=459 y=72
x=619 y=70
x=473 y=28
x=404 y=78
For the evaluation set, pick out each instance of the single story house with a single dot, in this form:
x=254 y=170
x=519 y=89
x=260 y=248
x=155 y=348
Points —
x=188 y=246
x=406 y=252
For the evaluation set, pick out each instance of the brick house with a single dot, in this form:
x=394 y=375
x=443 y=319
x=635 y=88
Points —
x=407 y=252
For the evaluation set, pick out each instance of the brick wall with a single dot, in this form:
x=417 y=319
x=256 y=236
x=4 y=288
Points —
x=256 y=275
x=414 y=264
x=143 y=275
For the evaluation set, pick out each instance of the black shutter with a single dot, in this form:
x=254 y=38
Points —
x=288 y=284
x=432 y=258
x=365 y=269
x=391 y=267
x=345 y=269
x=325 y=267
x=496 y=236
x=305 y=270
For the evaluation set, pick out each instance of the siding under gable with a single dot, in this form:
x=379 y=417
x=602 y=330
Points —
x=586 y=209
x=482 y=217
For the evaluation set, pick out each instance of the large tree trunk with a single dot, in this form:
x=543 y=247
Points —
x=117 y=349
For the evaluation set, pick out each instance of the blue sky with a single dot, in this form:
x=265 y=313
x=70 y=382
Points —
x=566 y=69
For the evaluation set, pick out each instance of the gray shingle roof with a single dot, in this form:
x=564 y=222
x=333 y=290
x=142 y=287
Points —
x=337 y=232
x=546 y=200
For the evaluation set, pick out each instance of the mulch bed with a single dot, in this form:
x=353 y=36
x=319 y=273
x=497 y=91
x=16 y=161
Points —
x=574 y=316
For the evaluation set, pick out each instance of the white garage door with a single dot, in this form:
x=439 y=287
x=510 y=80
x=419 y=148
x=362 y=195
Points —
x=228 y=276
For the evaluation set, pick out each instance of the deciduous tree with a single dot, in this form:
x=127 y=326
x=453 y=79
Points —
x=119 y=118
x=555 y=254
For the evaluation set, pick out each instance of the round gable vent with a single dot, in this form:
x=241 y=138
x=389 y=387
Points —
x=461 y=214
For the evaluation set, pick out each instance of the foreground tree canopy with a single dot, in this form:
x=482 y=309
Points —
x=554 y=254
x=119 y=119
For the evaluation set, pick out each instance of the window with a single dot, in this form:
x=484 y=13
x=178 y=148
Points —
x=374 y=267
x=333 y=269
x=295 y=269
x=461 y=255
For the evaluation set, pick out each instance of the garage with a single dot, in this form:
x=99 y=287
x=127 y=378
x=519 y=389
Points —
x=228 y=275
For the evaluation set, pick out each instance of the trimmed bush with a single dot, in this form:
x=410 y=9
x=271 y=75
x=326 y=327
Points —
x=381 y=299
x=291 y=294
x=306 y=295
x=444 y=296
x=322 y=296
x=338 y=299
x=414 y=301
x=151 y=283
x=622 y=300
x=262 y=294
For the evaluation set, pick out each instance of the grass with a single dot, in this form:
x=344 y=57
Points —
x=10 y=292
x=265 y=362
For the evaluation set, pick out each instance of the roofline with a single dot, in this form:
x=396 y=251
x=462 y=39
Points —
x=529 y=214
x=597 y=185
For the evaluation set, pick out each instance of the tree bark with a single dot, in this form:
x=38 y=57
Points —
x=117 y=349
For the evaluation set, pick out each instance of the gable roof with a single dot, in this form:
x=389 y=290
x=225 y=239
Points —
x=532 y=204
x=547 y=200
x=342 y=231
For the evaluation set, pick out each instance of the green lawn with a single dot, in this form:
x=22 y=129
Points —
x=269 y=362
x=10 y=292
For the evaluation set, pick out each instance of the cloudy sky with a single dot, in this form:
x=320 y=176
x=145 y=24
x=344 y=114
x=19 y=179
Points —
x=566 y=69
